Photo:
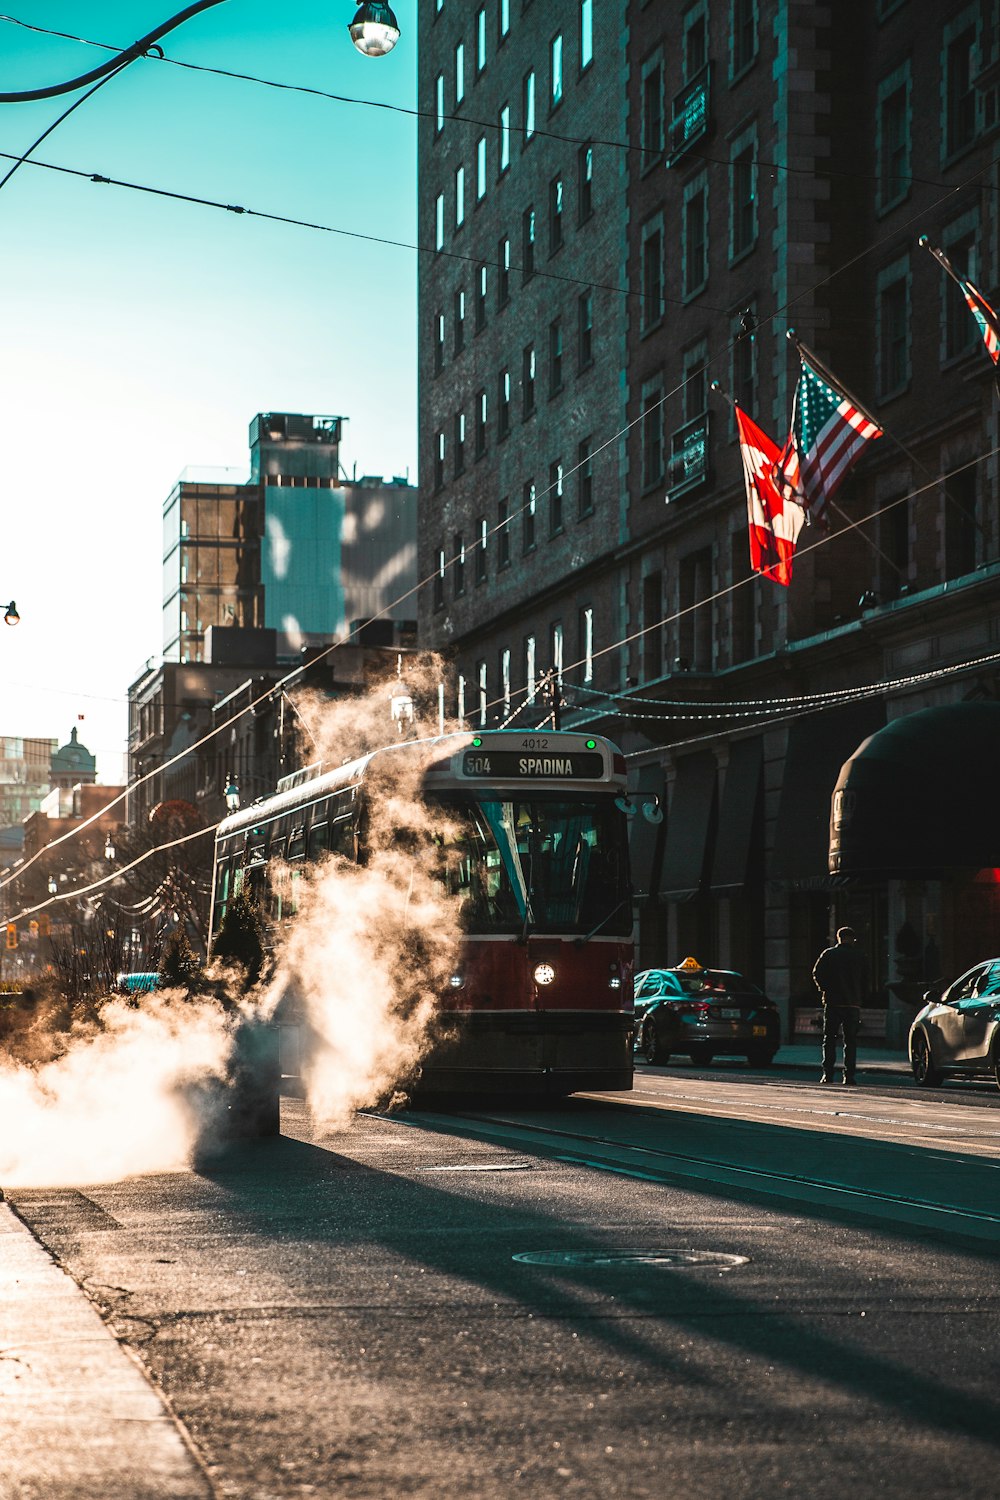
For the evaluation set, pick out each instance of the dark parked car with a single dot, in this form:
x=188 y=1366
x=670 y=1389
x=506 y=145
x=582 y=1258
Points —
x=703 y=1013
x=958 y=1030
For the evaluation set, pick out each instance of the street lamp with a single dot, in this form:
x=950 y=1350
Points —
x=11 y=616
x=109 y=849
x=232 y=794
x=373 y=31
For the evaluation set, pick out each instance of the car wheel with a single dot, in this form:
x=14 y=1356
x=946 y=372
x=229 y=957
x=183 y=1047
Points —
x=650 y=1048
x=701 y=1056
x=996 y=1063
x=922 y=1063
x=760 y=1057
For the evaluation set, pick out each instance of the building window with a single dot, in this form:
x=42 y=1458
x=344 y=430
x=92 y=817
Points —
x=503 y=279
x=555 y=71
x=480 y=424
x=505 y=680
x=585 y=330
x=653 y=306
x=892 y=139
x=530 y=668
x=959 y=66
x=458 y=565
x=652 y=433
x=481 y=550
x=503 y=403
x=555 y=357
x=694 y=244
x=459 y=197
x=528 y=513
x=652 y=625
x=528 y=371
x=555 y=498
x=742 y=37
x=651 y=125
x=439 y=454
x=504 y=119
x=584 y=479
x=481 y=169
x=695 y=628
x=892 y=329
x=460 y=698
x=528 y=105
x=439 y=343
x=743 y=354
x=528 y=243
x=555 y=215
x=481 y=692
x=480 y=39
x=459 y=322
x=481 y=286
x=459 y=72
x=557 y=654
x=439 y=579
x=694 y=364
x=960 y=332
x=459 y=443
x=694 y=46
x=503 y=535
x=586 y=34
x=743 y=600
x=503 y=19
x=439 y=222
x=585 y=181
x=961 y=523
x=439 y=103
x=743 y=194
x=587 y=642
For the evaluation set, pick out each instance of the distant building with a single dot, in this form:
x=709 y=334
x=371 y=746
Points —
x=301 y=549
x=25 y=768
x=73 y=764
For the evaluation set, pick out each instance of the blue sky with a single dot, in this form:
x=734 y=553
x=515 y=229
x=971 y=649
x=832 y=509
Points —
x=141 y=335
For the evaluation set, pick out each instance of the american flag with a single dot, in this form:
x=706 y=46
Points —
x=774 y=525
x=828 y=435
x=989 y=323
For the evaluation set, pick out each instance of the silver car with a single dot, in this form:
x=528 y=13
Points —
x=958 y=1030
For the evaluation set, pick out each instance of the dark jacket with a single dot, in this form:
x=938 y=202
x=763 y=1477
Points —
x=839 y=975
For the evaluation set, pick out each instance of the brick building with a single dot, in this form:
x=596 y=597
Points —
x=782 y=161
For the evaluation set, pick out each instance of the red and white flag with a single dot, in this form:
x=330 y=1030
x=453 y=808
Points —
x=774 y=523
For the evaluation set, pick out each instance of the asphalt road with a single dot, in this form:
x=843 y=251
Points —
x=724 y=1285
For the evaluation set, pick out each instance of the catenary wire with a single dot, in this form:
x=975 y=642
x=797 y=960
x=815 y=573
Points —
x=472 y=122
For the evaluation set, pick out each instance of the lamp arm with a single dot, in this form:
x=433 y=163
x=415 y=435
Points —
x=121 y=60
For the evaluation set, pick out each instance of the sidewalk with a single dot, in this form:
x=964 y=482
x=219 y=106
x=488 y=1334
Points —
x=806 y=1055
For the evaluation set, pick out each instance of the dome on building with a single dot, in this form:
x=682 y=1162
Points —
x=73 y=763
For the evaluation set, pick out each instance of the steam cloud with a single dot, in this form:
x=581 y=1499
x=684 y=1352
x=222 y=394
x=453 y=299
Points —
x=360 y=969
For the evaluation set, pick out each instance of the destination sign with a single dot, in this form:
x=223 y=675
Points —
x=534 y=765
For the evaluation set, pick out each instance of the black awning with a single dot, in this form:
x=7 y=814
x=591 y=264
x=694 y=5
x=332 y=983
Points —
x=645 y=838
x=741 y=795
x=818 y=745
x=921 y=796
x=690 y=829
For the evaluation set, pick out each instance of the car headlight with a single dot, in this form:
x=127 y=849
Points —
x=457 y=981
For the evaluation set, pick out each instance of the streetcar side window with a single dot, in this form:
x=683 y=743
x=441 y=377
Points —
x=297 y=844
x=342 y=837
x=223 y=879
x=319 y=840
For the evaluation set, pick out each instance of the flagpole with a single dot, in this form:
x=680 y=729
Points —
x=941 y=259
x=806 y=353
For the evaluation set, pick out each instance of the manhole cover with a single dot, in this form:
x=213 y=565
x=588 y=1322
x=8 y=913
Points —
x=679 y=1258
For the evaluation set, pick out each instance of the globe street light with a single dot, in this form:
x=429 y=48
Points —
x=11 y=616
x=374 y=32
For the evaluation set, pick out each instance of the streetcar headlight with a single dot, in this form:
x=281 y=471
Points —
x=544 y=974
x=457 y=981
x=615 y=982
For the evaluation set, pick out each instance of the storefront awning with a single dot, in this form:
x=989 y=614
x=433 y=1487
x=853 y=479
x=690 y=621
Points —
x=818 y=745
x=921 y=796
x=690 y=827
x=738 y=817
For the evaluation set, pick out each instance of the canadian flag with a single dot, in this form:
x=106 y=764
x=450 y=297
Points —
x=774 y=524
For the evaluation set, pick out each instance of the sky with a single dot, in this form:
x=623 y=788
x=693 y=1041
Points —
x=141 y=335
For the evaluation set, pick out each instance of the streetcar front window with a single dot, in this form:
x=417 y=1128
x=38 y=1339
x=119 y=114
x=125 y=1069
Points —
x=540 y=865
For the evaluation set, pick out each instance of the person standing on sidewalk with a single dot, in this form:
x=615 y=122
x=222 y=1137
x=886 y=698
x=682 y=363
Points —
x=839 y=975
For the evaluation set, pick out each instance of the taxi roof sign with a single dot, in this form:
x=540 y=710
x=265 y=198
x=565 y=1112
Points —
x=689 y=964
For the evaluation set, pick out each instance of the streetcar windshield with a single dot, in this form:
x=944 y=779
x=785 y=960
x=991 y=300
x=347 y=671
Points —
x=540 y=865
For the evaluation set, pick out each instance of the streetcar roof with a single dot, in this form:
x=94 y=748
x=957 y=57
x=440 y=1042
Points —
x=306 y=789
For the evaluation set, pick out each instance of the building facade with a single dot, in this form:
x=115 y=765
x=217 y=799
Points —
x=25 y=777
x=301 y=548
x=778 y=163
